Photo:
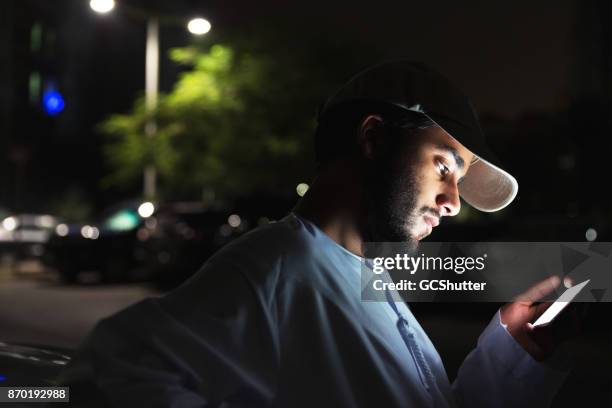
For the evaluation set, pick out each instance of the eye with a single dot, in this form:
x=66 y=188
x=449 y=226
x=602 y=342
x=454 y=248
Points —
x=444 y=170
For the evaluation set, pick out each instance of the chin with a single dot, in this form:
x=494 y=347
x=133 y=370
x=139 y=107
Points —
x=420 y=238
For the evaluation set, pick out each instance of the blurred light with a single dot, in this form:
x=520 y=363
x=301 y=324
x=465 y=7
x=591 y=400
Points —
x=146 y=209
x=34 y=88
x=591 y=234
x=35 y=37
x=234 y=220
x=143 y=234
x=123 y=220
x=90 y=232
x=102 y=6
x=45 y=221
x=151 y=223
x=53 y=102
x=198 y=26
x=86 y=231
x=188 y=233
x=301 y=189
x=61 y=230
x=10 y=223
x=2 y=377
x=568 y=282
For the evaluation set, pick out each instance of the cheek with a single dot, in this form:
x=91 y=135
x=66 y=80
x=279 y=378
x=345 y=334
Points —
x=424 y=182
x=428 y=186
x=425 y=198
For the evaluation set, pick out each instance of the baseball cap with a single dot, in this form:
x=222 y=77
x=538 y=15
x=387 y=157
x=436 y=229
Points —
x=413 y=86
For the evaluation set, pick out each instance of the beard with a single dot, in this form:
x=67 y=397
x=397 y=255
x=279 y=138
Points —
x=391 y=191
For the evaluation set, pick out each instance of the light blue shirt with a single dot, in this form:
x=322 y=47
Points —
x=276 y=319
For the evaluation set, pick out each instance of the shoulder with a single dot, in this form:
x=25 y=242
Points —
x=255 y=263
x=267 y=248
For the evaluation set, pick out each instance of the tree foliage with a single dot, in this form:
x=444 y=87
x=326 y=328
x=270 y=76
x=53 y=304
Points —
x=239 y=120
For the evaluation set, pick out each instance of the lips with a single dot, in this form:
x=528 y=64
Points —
x=432 y=221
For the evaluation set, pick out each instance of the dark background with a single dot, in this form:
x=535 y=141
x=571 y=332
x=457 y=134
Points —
x=539 y=74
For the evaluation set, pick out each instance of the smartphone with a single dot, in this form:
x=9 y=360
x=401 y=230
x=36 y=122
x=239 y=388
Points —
x=561 y=303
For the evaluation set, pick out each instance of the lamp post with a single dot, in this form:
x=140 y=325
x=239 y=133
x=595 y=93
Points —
x=196 y=26
x=151 y=93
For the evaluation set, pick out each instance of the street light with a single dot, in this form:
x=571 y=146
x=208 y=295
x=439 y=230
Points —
x=197 y=26
x=102 y=6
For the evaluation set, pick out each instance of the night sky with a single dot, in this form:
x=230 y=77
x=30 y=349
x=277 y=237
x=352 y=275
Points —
x=508 y=56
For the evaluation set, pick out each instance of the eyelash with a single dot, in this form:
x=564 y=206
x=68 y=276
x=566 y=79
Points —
x=443 y=168
x=446 y=171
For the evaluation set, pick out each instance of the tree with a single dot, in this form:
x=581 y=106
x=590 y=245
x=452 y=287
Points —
x=239 y=120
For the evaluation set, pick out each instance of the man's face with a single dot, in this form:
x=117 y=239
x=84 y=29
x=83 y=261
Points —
x=415 y=183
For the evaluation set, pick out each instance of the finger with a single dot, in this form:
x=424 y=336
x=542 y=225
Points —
x=541 y=308
x=540 y=290
x=568 y=282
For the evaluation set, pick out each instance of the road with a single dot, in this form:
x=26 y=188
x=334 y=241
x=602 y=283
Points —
x=42 y=311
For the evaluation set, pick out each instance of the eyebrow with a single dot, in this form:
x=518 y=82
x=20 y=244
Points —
x=458 y=159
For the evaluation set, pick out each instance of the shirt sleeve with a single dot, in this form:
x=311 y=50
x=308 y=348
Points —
x=188 y=349
x=500 y=373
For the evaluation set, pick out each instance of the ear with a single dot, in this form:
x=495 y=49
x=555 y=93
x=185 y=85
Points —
x=370 y=135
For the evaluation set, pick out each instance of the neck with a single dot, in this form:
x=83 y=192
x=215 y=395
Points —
x=334 y=204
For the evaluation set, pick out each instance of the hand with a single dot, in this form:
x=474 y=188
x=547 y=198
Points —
x=539 y=343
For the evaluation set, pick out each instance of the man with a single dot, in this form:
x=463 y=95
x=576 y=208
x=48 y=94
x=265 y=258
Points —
x=276 y=318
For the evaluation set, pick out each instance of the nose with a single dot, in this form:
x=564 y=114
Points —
x=448 y=200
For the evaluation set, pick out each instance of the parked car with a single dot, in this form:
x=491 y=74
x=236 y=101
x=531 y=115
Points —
x=143 y=241
x=25 y=236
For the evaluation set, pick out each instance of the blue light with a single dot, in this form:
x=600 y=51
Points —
x=2 y=378
x=53 y=102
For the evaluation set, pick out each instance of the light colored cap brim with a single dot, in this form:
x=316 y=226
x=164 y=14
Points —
x=488 y=188
x=485 y=187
